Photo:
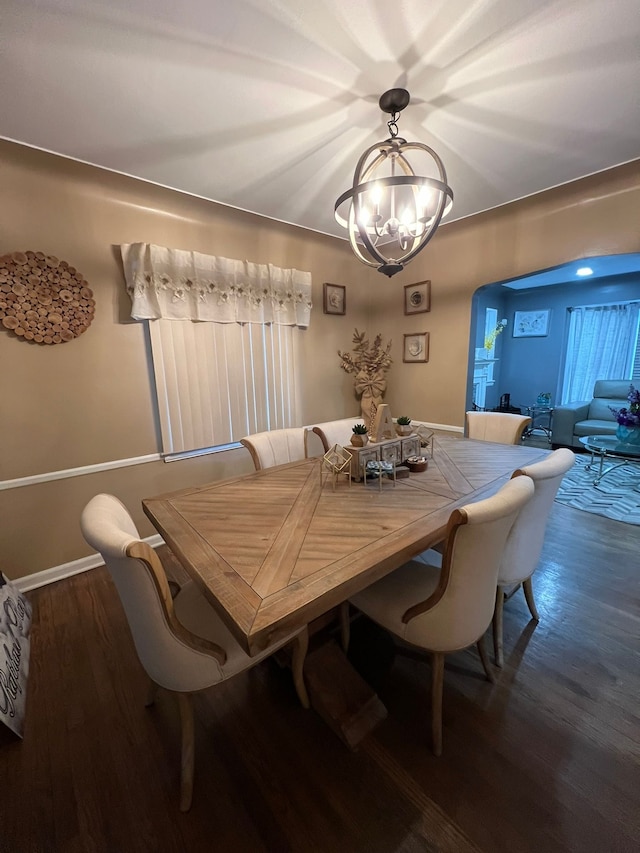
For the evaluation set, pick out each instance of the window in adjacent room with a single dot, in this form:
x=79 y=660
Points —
x=602 y=343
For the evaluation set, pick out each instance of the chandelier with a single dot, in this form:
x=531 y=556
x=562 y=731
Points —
x=392 y=211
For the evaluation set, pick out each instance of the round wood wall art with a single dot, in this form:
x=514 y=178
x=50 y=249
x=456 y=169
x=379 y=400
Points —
x=43 y=299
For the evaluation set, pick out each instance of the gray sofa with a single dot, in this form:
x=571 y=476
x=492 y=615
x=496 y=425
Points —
x=573 y=421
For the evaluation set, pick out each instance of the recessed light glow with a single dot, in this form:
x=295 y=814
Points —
x=584 y=271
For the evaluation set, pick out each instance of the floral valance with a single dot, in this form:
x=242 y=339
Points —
x=179 y=285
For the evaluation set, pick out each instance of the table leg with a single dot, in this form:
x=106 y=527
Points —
x=603 y=473
x=611 y=468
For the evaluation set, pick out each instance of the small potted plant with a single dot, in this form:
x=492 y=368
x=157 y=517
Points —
x=359 y=437
x=403 y=425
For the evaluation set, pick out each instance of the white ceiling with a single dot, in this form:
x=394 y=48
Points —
x=267 y=104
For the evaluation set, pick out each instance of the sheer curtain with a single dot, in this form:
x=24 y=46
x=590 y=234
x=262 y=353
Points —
x=601 y=345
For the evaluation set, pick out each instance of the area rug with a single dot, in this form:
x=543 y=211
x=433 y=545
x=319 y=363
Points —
x=617 y=496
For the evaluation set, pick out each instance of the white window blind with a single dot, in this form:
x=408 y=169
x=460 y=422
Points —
x=217 y=382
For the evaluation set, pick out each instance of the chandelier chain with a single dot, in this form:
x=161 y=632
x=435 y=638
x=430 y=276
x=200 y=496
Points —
x=392 y=124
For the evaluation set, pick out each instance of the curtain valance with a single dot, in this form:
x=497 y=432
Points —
x=180 y=285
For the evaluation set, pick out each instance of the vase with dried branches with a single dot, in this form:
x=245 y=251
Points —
x=369 y=363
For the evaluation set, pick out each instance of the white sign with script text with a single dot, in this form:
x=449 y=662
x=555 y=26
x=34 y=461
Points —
x=15 y=623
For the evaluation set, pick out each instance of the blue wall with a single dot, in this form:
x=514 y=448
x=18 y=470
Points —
x=493 y=296
x=530 y=366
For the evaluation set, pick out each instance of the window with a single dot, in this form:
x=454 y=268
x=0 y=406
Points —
x=602 y=344
x=223 y=337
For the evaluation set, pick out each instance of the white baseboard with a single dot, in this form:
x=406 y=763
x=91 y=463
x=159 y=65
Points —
x=443 y=427
x=67 y=570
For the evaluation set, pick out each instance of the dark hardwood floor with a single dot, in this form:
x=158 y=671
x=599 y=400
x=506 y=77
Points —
x=546 y=760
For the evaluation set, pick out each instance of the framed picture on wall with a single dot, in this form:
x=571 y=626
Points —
x=531 y=324
x=416 y=347
x=417 y=297
x=334 y=298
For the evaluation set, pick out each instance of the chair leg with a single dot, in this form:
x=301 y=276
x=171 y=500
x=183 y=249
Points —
x=185 y=703
x=531 y=603
x=152 y=692
x=345 y=626
x=497 y=627
x=300 y=647
x=482 y=651
x=437 y=678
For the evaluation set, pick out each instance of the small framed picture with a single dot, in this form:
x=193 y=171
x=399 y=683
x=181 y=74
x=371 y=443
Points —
x=531 y=324
x=416 y=347
x=334 y=298
x=417 y=297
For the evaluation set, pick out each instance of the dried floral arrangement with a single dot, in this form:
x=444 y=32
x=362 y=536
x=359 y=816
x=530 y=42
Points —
x=369 y=363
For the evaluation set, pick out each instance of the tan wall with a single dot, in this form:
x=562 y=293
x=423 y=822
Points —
x=595 y=216
x=89 y=401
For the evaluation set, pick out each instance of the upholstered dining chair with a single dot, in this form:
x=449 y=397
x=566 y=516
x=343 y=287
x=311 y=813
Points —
x=336 y=432
x=524 y=546
x=501 y=427
x=181 y=642
x=448 y=608
x=275 y=447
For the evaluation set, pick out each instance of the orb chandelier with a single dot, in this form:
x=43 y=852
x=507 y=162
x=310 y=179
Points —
x=394 y=207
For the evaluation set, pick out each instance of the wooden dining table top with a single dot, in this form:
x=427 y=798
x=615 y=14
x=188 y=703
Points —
x=275 y=549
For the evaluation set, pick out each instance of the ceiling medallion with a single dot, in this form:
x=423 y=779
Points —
x=42 y=299
x=392 y=211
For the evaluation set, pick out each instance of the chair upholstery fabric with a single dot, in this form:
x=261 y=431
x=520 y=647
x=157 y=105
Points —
x=107 y=526
x=524 y=545
x=501 y=427
x=276 y=447
x=168 y=660
x=181 y=642
x=464 y=611
x=574 y=421
x=336 y=432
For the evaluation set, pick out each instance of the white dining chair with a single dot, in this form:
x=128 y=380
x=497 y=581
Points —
x=524 y=546
x=448 y=607
x=336 y=432
x=181 y=642
x=501 y=427
x=276 y=447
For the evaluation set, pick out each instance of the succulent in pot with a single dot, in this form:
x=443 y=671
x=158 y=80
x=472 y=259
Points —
x=403 y=425
x=359 y=437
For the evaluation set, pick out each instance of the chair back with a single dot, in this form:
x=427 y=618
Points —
x=608 y=394
x=501 y=427
x=336 y=432
x=160 y=640
x=461 y=608
x=524 y=545
x=276 y=447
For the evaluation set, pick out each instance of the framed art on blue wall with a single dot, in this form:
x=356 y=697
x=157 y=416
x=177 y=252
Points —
x=531 y=324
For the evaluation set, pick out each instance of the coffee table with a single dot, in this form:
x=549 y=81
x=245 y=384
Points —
x=608 y=447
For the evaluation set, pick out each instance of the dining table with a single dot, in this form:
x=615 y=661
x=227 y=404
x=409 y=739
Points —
x=275 y=549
